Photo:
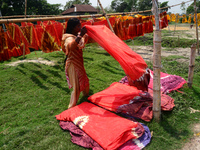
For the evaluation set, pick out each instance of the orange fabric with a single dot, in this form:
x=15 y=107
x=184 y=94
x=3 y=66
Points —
x=107 y=129
x=115 y=95
x=4 y=55
x=131 y=62
x=132 y=29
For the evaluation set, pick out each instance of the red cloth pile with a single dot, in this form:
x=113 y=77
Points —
x=109 y=130
x=123 y=98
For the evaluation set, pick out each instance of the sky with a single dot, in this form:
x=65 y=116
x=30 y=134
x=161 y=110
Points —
x=107 y=3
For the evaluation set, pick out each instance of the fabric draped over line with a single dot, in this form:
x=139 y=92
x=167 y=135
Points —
x=132 y=63
x=109 y=130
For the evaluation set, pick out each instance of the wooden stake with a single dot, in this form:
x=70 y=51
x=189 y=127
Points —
x=191 y=65
x=106 y=17
x=175 y=23
x=24 y=51
x=156 y=64
x=25 y=8
x=197 y=35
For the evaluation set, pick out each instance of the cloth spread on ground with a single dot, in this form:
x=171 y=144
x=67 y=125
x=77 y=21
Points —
x=141 y=106
x=131 y=62
x=168 y=82
x=79 y=137
x=115 y=95
x=123 y=98
x=108 y=129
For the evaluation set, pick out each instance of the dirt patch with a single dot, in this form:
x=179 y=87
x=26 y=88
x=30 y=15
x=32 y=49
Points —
x=39 y=60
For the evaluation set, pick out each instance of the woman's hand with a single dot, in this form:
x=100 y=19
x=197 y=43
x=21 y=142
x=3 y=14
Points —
x=83 y=31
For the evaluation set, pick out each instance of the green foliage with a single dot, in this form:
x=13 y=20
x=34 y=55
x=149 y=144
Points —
x=119 y=5
x=190 y=9
x=34 y=7
x=164 y=4
x=71 y=2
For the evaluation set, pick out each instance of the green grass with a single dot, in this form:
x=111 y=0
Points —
x=32 y=94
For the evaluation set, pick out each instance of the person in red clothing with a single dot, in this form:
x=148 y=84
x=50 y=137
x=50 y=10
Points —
x=73 y=41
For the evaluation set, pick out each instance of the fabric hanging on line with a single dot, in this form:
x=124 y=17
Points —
x=29 y=32
x=80 y=138
x=3 y=46
x=131 y=62
x=109 y=130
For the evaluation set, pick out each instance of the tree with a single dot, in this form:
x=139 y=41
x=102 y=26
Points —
x=119 y=5
x=71 y=2
x=164 y=4
x=145 y=5
x=34 y=7
x=190 y=9
x=182 y=7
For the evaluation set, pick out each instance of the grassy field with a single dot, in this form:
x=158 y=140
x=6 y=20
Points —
x=31 y=94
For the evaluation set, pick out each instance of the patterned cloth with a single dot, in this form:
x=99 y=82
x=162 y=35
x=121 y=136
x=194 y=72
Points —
x=79 y=137
x=109 y=130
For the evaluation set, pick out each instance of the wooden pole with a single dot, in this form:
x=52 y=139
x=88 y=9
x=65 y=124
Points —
x=197 y=35
x=106 y=16
x=156 y=64
x=23 y=51
x=191 y=65
x=175 y=23
x=25 y=8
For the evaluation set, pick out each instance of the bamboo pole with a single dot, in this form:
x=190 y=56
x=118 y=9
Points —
x=23 y=51
x=197 y=35
x=191 y=65
x=106 y=16
x=175 y=23
x=53 y=17
x=156 y=64
x=25 y=8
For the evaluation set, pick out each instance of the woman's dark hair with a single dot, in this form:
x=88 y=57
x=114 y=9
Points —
x=71 y=24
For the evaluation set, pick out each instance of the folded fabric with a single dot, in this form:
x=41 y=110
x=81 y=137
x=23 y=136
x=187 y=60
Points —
x=168 y=82
x=80 y=138
x=115 y=95
x=108 y=129
x=131 y=62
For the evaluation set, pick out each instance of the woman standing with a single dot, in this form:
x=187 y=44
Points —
x=73 y=42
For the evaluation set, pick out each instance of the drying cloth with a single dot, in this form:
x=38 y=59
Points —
x=108 y=129
x=141 y=106
x=79 y=137
x=131 y=62
x=168 y=82
x=115 y=95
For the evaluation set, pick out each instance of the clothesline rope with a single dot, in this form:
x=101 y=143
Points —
x=78 y=16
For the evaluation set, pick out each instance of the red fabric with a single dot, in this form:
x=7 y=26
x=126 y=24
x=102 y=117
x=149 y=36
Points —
x=115 y=95
x=132 y=29
x=104 y=22
x=59 y=30
x=40 y=33
x=29 y=33
x=131 y=62
x=107 y=129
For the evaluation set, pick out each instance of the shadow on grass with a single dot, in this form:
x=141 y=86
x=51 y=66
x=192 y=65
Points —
x=59 y=86
x=111 y=70
x=55 y=73
x=104 y=53
x=173 y=130
x=37 y=81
